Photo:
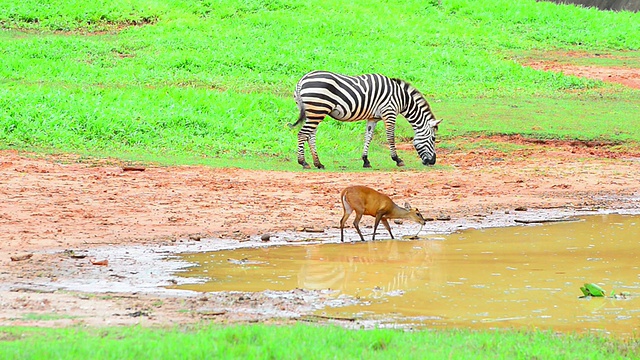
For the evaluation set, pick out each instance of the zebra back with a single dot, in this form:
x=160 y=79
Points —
x=347 y=98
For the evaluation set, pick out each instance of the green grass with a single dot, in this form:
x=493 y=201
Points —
x=210 y=82
x=300 y=342
x=581 y=119
x=45 y=317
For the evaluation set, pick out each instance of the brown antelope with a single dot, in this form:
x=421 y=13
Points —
x=366 y=201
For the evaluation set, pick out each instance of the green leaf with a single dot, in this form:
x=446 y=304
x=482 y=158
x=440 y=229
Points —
x=584 y=291
x=593 y=290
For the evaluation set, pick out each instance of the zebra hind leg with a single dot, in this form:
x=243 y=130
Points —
x=308 y=134
x=368 y=135
x=314 y=152
x=305 y=165
x=302 y=138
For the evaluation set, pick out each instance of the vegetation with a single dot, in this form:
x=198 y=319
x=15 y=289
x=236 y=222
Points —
x=300 y=342
x=210 y=81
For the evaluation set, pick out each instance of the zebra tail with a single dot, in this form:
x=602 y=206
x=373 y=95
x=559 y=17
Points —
x=300 y=119
x=301 y=116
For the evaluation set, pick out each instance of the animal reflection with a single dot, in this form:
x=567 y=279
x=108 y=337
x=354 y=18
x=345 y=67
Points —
x=384 y=268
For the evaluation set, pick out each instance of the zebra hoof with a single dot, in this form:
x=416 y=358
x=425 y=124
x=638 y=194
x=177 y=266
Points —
x=320 y=166
x=365 y=161
x=400 y=163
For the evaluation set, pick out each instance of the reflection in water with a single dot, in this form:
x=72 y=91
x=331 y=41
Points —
x=525 y=276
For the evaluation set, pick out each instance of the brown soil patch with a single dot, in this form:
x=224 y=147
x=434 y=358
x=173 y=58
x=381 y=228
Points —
x=63 y=202
x=626 y=76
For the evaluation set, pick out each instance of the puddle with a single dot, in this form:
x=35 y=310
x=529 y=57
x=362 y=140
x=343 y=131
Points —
x=520 y=277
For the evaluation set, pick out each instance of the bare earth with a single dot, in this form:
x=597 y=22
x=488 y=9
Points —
x=56 y=203
x=620 y=75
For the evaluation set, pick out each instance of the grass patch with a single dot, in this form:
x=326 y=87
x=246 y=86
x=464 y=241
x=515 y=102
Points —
x=74 y=15
x=173 y=126
x=588 y=118
x=46 y=317
x=207 y=82
x=300 y=341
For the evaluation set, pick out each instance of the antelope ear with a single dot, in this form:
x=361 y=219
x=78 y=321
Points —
x=407 y=206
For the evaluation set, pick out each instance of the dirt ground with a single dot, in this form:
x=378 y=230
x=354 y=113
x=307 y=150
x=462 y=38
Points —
x=562 y=63
x=52 y=204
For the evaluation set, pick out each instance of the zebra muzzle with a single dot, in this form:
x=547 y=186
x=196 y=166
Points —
x=429 y=161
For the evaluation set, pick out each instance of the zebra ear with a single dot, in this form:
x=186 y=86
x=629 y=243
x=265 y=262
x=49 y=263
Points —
x=434 y=123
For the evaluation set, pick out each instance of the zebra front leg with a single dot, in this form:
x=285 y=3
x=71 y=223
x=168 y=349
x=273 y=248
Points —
x=397 y=159
x=314 y=152
x=390 y=125
x=368 y=135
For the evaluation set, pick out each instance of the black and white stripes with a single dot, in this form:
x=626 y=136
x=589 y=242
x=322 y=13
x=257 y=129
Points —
x=370 y=97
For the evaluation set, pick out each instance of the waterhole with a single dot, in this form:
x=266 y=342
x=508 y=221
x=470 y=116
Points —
x=514 y=277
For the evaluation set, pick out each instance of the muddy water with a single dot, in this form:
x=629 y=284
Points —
x=522 y=277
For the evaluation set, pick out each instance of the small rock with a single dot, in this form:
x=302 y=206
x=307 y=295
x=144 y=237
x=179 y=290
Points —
x=104 y=262
x=133 y=168
x=206 y=313
x=265 y=237
x=520 y=208
x=195 y=237
x=443 y=217
x=21 y=257
x=138 y=314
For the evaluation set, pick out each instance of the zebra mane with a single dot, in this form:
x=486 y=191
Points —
x=413 y=91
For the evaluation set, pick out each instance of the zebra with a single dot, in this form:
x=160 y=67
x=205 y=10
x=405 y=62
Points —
x=371 y=97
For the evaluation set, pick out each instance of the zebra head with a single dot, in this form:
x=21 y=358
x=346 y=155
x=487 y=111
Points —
x=425 y=142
